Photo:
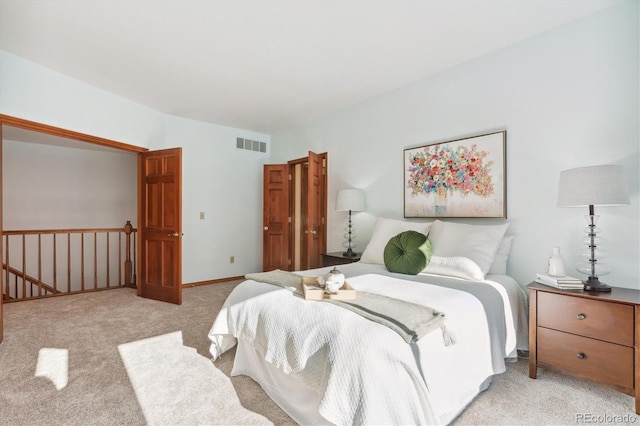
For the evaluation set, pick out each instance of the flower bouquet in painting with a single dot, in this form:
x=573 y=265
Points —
x=462 y=178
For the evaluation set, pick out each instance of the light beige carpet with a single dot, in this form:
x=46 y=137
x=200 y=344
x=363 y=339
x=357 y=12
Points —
x=94 y=329
x=134 y=361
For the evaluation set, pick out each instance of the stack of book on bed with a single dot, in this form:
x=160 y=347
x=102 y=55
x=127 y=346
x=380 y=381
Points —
x=563 y=283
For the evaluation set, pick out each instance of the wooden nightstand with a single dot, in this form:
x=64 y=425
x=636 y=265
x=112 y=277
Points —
x=336 y=258
x=588 y=335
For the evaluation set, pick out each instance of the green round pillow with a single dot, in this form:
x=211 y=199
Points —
x=407 y=253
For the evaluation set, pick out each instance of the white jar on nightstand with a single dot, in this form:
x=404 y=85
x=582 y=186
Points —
x=556 y=263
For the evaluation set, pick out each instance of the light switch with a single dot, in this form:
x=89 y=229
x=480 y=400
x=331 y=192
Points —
x=201 y=215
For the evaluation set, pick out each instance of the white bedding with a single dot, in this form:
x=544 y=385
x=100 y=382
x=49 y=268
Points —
x=354 y=371
x=515 y=297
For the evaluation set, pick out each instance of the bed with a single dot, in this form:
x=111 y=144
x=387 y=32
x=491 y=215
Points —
x=323 y=364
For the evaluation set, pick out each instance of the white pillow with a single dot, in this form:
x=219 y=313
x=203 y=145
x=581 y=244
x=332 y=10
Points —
x=460 y=267
x=383 y=230
x=476 y=242
x=499 y=265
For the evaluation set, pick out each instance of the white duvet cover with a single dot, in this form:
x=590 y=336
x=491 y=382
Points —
x=356 y=371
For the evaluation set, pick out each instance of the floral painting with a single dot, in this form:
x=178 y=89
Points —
x=459 y=178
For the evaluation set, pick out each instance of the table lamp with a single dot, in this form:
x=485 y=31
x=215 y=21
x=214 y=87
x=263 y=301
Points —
x=593 y=186
x=349 y=200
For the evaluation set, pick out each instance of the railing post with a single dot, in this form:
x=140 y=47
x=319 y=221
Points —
x=128 y=269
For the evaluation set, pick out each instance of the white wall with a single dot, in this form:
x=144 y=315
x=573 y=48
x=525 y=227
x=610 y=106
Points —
x=567 y=98
x=218 y=179
x=35 y=93
x=225 y=183
x=51 y=187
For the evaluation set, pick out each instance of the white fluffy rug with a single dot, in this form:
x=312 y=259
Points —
x=177 y=386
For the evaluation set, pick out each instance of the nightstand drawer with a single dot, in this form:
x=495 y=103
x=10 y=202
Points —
x=602 y=362
x=612 y=322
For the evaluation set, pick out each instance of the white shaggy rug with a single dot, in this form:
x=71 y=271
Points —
x=177 y=386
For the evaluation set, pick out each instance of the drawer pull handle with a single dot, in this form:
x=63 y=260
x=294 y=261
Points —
x=581 y=316
x=580 y=356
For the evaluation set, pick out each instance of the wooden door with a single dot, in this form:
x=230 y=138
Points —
x=295 y=193
x=275 y=218
x=315 y=209
x=160 y=225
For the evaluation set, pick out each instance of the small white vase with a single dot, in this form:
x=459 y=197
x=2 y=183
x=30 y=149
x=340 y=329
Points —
x=556 y=263
x=335 y=275
x=331 y=287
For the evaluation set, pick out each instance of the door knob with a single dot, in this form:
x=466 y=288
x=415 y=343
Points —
x=175 y=234
x=266 y=228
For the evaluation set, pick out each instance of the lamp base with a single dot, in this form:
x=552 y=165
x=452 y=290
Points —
x=350 y=253
x=594 y=284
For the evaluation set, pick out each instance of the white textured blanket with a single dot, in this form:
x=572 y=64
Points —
x=410 y=320
x=332 y=351
x=348 y=360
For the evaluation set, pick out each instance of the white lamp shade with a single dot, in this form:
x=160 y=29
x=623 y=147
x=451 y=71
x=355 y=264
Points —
x=350 y=199
x=594 y=185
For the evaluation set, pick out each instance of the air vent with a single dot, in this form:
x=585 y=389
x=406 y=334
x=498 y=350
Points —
x=251 y=145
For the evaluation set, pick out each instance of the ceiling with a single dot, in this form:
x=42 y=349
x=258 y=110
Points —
x=266 y=65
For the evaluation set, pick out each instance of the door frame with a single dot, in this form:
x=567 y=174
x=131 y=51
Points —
x=7 y=120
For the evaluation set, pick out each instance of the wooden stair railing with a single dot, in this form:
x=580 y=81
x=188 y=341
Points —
x=33 y=282
x=53 y=262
